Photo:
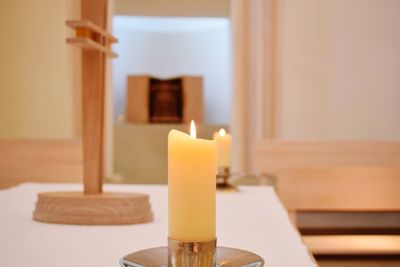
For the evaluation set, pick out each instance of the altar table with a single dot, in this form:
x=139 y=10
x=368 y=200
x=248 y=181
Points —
x=253 y=219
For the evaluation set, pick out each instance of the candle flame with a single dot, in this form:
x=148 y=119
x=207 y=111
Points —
x=192 y=129
x=222 y=132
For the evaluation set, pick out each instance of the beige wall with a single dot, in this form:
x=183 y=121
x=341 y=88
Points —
x=173 y=8
x=338 y=69
x=39 y=73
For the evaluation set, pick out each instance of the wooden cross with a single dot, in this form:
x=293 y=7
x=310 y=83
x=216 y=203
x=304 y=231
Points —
x=92 y=206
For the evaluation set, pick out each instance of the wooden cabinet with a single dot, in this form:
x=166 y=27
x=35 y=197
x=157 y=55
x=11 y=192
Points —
x=177 y=100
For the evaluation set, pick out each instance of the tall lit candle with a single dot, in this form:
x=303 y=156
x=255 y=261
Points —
x=191 y=187
x=224 y=141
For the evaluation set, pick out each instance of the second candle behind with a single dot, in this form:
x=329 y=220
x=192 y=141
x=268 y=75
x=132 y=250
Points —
x=191 y=187
x=223 y=140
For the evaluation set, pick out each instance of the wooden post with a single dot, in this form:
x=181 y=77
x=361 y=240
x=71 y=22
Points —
x=93 y=72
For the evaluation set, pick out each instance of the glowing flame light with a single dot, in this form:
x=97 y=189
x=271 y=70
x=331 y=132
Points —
x=192 y=129
x=222 y=132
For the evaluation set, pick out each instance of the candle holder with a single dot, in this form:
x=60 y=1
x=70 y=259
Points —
x=192 y=254
x=223 y=180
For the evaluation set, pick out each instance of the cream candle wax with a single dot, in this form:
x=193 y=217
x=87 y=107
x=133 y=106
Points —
x=191 y=187
x=223 y=140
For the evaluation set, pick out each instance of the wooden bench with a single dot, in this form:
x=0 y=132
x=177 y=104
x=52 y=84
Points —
x=338 y=179
x=343 y=189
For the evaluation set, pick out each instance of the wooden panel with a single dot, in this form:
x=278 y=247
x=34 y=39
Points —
x=40 y=161
x=193 y=108
x=274 y=156
x=137 y=99
x=353 y=245
x=340 y=189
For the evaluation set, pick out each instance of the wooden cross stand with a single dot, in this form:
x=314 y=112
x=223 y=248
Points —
x=93 y=206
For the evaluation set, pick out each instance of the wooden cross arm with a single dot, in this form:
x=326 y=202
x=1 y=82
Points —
x=91 y=36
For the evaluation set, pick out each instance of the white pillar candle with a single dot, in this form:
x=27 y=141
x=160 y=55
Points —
x=191 y=187
x=224 y=141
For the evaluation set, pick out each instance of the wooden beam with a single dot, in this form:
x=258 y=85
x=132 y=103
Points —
x=93 y=76
x=87 y=43
x=87 y=24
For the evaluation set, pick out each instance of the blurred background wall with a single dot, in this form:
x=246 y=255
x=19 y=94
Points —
x=337 y=66
x=338 y=69
x=39 y=73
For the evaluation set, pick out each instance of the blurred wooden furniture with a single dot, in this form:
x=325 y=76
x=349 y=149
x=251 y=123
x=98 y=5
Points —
x=334 y=181
x=188 y=99
x=29 y=160
x=273 y=156
x=343 y=189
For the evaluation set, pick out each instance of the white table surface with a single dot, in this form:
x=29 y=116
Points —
x=253 y=219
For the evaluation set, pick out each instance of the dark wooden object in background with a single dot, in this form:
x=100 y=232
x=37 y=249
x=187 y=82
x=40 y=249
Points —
x=177 y=100
x=166 y=100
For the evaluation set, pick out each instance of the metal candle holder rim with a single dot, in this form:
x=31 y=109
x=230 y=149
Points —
x=192 y=254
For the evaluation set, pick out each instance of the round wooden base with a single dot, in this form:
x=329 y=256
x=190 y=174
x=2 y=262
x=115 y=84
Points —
x=110 y=208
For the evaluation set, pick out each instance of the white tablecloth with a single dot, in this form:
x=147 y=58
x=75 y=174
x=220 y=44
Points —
x=253 y=219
